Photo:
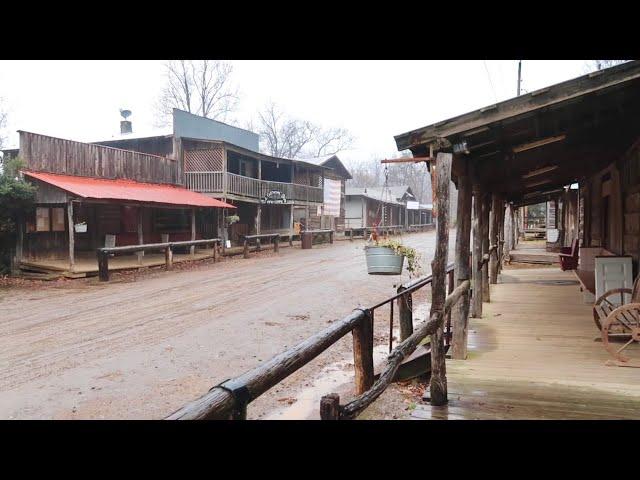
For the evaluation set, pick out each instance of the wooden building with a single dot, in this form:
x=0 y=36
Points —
x=384 y=206
x=331 y=214
x=223 y=162
x=91 y=196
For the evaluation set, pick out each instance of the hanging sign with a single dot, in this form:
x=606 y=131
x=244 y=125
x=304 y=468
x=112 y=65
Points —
x=274 y=197
x=413 y=205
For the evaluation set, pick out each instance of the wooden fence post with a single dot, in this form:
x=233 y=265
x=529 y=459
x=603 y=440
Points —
x=330 y=407
x=494 y=238
x=103 y=266
x=168 y=257
x=476 y=307
x=486 y=205
x=276 y=244
x=462 y=273
x=246 y=248
x=72 y=249
x=193 y=231
x=438 y=382
x=363 y=353
x=405 y=313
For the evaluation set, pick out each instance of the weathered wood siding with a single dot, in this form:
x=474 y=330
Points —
x=56 y=155
x=631 y=201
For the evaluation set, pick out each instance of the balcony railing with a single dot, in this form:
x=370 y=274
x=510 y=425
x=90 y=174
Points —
x=214 y=182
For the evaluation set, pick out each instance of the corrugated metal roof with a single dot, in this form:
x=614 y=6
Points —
x=121 y=189
x=388 y=194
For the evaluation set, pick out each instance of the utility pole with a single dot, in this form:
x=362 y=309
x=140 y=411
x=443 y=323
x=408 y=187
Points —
x=519 y=75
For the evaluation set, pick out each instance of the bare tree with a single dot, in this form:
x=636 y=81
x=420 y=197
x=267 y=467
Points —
x=202 y=87
x=287 y=137
x=3 y=121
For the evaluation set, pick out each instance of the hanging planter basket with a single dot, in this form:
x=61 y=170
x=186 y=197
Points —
x=383 y=260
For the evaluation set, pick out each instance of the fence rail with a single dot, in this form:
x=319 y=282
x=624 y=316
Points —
x=226 y=182
x=229 y=399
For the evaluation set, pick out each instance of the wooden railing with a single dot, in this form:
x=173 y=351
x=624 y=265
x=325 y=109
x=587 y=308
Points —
x=214 y=182
x=229 y=399
x=104 y=253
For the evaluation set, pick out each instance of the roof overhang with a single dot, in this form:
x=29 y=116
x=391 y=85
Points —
x=543 y=140
x=127 y=191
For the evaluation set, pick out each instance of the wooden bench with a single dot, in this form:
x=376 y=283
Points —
x=272 y=237
x=315 y=233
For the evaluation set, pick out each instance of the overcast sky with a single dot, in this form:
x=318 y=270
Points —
x=375 y=100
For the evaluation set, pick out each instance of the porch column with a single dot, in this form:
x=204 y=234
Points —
x=460 y=313
x=258 y=215
x=494 y=237
x=438 y=381
x=140 y=235
x=193 y=230
x=486 y=206
x=476 y=306
x=72 y=259
x=501 y=240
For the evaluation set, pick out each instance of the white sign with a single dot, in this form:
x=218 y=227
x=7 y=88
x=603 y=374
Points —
x=413 y=205
x=332 y=195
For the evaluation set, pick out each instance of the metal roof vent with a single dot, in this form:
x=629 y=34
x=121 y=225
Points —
x=125 y=125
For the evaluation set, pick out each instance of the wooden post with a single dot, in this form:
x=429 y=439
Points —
x=72 y=250
x=476 y=307
x=258 y=218
x=168 y=258
x=330 y=407
x=276 y=244
x=363 y=354
x=438 y=382
x=140 y=254
x=246 y=248
x=103 y=266
x=193 y=230
x=405 y=314
x=501 y=239
x=493 y=238
x=215 y=247
x=486 y=206
x=331 y=237
x=19 y=245
x=462 y=272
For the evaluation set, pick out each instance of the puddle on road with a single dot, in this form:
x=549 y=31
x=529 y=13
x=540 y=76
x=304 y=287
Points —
x=335 y=378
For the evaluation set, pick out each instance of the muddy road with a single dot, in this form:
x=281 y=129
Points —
x=140 y=348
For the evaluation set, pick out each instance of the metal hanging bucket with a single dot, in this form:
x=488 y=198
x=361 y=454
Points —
x=383 y=261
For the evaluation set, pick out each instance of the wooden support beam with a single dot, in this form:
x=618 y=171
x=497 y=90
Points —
x=140 y=254
x=168 y=257
x=72 y=249
x=330 y=407
x=486 y=206
x=103 y=266
x=438 y=382
x=363 y=354
x=476 y=307
x=462 y=271
x=493 y=238
x=405 y=314
x=193 y=230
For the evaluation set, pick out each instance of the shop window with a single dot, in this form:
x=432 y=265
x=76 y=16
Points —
x=42 y=219
x=57 y=219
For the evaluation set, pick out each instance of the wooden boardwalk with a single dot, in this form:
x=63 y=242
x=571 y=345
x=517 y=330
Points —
x=533 y=252
x=534 y=355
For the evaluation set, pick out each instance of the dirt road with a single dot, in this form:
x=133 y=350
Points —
x=143 y=348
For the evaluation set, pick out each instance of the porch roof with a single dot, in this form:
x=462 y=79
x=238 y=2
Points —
x=130 y=190
x=529 y=147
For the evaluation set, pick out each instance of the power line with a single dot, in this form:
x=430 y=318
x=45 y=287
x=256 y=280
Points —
x=490 y=82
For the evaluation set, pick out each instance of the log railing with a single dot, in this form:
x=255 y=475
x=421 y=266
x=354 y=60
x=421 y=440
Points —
x=229 y=399
x=104 y=253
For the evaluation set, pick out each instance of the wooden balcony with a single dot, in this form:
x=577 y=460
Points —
x=250 y=188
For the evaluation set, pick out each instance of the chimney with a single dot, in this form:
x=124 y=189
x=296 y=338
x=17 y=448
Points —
x=125 y=125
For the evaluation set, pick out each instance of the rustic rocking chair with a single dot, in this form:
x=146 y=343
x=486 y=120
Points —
x=569 y=256
x=619 y=322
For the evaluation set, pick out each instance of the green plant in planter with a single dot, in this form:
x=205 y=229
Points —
x=231 y=219
x=411 y=254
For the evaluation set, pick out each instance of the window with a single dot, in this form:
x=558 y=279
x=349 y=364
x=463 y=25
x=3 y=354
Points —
x=57 y=219
x=42 y=219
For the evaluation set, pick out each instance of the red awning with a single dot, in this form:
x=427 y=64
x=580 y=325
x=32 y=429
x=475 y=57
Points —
x=121 y=189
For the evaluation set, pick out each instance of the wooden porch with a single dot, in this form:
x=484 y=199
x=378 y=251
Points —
x=536 y=354
x=86 y=263
x=533 y=252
